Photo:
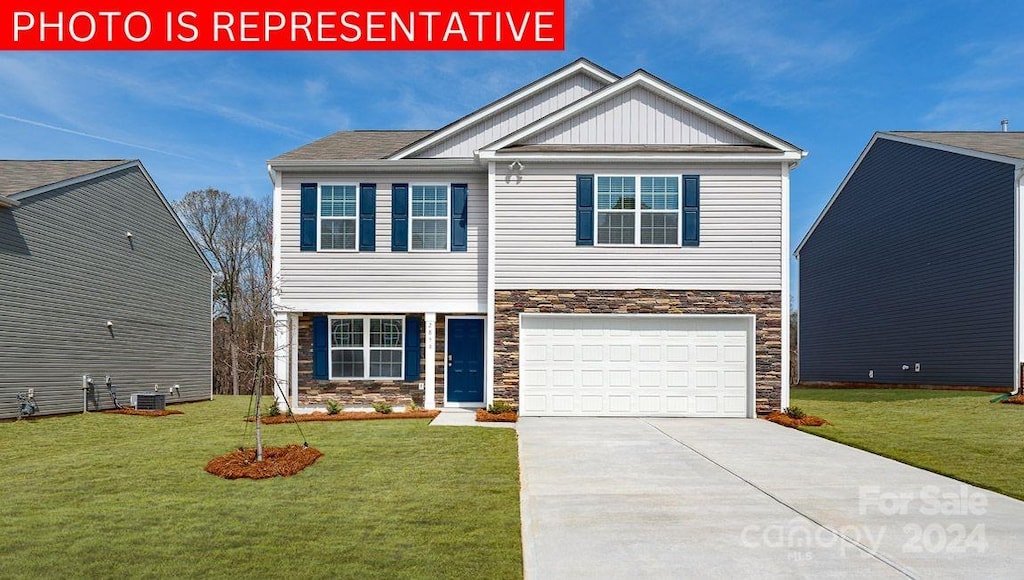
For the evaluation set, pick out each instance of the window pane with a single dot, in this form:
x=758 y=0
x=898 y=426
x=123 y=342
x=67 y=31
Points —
x=338 y=200
x=429 y=234
x=659 y=228
x=615 y=228
x=616 y=185
x=347 y=363
x=385 y=332
x=659 y=193
x=429 y=201
x=347 y=332
x=386 y=363
x=337 y=234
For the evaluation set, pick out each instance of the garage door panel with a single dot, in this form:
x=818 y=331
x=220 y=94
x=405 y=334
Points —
x=624 y=365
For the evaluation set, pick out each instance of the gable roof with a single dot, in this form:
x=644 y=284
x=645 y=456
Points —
x=644 y=79
x=353 y=145
x=18 y=176
x=1005 y=147
x=580 y=65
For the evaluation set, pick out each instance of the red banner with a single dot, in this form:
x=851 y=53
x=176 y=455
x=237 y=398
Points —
x=283 y=25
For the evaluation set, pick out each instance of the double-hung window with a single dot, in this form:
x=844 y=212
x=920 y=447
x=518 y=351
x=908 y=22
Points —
x=366 y=347
x=619 y=212
x=429 y=217
x=338 y=217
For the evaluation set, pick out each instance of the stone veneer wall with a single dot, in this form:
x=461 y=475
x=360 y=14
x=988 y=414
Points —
x=766 y=306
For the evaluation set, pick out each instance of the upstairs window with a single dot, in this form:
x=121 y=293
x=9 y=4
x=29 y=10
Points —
x=429 y=217
x=618 y=211
x=338 y=217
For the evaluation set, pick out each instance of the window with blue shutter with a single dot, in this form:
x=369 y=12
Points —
x=367 y=216
x=320 y=348
x=691 y=210
x=307 y=218
x=400 y=217
x=412 y=349
x=460 y=215
x=584 y=210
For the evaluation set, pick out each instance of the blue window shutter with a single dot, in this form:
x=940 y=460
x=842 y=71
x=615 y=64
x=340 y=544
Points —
x=691 y=210
x=460 y=206
x=584 y=210
x=367 y=216
x=320 y=347
x=307 y=218
x=412 y=349
x=400 y=217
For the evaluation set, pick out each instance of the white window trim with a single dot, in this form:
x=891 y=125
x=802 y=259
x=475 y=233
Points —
x=447 y=218
x=638 y=212
x=366 y=348
x=320 y=217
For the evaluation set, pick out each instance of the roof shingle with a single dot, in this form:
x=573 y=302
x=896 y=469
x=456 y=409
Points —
x=1007 y=144
x=353 y=145
x=17 y=176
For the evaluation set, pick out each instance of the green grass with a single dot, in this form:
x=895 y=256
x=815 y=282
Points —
x=955 y=433
x=103 y=495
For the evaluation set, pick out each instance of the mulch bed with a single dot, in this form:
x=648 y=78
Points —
x=484 y=416
x=277 y=461
x=348 y=416
x=1015 y=400
x=144 y=412
x=787 y=421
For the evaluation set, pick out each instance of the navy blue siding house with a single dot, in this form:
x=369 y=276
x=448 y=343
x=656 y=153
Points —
x=910 y=275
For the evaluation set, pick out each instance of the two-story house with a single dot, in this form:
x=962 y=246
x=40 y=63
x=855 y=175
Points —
x=587 y=245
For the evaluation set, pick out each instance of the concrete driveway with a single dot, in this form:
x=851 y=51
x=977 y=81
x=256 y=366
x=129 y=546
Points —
x=732 y=498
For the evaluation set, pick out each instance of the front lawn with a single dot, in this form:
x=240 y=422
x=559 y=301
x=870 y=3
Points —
x=102 y=495
x=955 y=433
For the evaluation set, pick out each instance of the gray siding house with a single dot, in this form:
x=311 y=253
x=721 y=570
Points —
x=911 y=274
x=97 y=277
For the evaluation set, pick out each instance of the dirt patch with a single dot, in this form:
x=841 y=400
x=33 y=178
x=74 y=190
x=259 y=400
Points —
x=348 y=416
x=1015 y=400
x=277 y=461
x=485 y=416
x=787 y=421
x=144 y=412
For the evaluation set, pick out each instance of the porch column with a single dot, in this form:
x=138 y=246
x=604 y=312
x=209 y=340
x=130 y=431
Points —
x=282 y=347
x=293 y=349
x=429 y=358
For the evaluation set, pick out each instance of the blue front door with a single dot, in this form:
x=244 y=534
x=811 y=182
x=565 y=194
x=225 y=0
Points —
x=465 y=360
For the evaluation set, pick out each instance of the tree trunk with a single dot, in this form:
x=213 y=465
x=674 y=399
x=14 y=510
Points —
x=234 y=364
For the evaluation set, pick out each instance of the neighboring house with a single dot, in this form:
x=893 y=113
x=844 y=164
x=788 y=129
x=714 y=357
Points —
x=586 y=245
x=911 y=274
x=99 y=278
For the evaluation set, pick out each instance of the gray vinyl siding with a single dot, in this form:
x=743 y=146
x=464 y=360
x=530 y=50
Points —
x=67 y=267
x=913 y=263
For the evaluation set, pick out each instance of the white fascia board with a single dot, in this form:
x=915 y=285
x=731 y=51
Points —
x=645 y=79
x=376 y=165
x=849 y=174
x=509 y=100
x=8 y=202
x=640 y=156
x=380 y=306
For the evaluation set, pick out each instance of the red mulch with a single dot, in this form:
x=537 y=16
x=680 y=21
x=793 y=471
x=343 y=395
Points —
x=277 y=461
x=348 y=416
x=144 y=412
x=787 y=421
x=485 y=416
x=1015 y=400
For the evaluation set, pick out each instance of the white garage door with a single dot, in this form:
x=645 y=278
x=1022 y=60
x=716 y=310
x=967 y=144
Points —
x=659 y=365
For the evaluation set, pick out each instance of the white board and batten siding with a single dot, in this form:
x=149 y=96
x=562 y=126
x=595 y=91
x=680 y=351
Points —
x=740 y=232
x=637 y=116
x=413 y=281
x=636 y=365
x=486 y=131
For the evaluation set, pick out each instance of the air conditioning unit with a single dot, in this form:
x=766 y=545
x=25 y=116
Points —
x=149 y=401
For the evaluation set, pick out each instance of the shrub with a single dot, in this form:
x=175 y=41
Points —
x=794 y=413
x=412 y=406
x=333 y=407
x=383 y=407
x=274 y=409
x=500 y=407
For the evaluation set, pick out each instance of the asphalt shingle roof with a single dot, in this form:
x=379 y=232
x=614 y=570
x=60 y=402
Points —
x=353 y=145
x=1007 y=144
x=17 y=176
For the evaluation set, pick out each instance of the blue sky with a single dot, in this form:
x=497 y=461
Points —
x=823 y=75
